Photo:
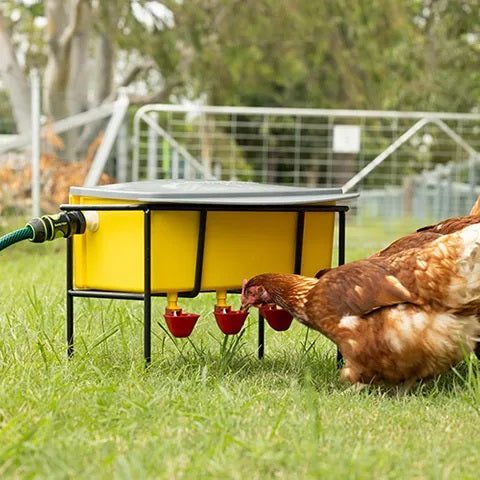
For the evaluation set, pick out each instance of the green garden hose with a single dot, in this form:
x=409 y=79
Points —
x=25 y=233
x=47 y=227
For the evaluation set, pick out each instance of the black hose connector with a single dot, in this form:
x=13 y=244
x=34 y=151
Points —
x=64 y=224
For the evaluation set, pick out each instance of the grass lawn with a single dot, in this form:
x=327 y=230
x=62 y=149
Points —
x=207 y=408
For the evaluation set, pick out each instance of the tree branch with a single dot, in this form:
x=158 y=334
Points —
x=155 y=97
x=72 y=27
x=135 y=71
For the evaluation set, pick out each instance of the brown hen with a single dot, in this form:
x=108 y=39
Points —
x=400 y=318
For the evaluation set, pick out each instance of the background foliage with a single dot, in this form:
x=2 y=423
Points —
x=406 y=55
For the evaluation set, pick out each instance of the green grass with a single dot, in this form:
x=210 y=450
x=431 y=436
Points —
x=207 y=408
x=368 y=236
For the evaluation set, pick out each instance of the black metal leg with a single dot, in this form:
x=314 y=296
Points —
x=147 y=296
x=261 y=336
x=69 y=276
x=299 y=242
x=341 y=261
x=341 y=238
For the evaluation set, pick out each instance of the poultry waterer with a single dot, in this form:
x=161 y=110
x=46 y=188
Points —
x=176 y=239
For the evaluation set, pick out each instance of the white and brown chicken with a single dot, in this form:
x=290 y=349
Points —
x=397 y=316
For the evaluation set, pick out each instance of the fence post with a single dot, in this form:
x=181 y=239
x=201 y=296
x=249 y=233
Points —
x=424 y=196
x=449 y=189
x=217 y=170
x=408 y=188
x=152 y=147
x=175 y=165
x=472 y=179
x=122 y=153
x=165 y=159
x=35 y=132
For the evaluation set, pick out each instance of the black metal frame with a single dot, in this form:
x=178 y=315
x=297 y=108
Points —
x=203 y=209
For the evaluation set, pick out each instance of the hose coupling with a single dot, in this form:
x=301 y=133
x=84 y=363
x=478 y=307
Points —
x=64 y=224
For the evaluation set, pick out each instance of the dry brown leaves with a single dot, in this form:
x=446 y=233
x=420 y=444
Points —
x=56 y=178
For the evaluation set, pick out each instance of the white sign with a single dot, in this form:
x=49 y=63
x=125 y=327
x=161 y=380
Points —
x=346 y=139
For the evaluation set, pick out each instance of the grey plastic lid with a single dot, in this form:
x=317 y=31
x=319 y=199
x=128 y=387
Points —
x=212 y=192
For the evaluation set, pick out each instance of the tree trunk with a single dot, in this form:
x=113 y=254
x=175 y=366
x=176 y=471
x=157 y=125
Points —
x=15 y=81
x=102 y=89
x=65 y=80
x=56 y=72
x=77 y=86
x=104 y=61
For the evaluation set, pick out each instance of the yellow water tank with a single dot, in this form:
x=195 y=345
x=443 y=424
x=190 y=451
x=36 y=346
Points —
x=249 y=228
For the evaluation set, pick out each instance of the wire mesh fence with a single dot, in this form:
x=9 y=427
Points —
x=430 y=169
x=426 y=164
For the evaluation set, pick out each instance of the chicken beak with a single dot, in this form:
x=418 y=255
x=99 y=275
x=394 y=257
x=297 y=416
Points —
x=244 y=308
x=245 y=305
